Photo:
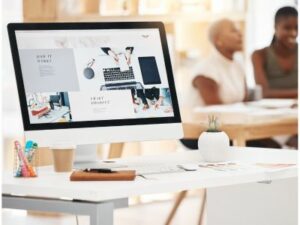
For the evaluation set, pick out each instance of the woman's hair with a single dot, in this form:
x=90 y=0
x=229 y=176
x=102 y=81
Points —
x=284 y=12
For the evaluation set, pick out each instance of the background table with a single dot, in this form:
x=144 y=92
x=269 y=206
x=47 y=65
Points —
x=243 y=121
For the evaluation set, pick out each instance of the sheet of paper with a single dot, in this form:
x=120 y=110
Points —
x=274 y=103
x=230 y=108
x=235 y=166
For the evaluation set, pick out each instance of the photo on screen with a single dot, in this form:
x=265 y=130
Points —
x=50 y=107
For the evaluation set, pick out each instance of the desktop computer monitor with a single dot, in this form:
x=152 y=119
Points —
x=113 y=81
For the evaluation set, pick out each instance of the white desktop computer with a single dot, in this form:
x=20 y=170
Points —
x=90 y=83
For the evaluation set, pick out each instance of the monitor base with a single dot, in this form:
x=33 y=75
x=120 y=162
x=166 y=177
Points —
x=86 y=157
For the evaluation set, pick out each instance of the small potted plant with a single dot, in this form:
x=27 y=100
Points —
x=213 y=143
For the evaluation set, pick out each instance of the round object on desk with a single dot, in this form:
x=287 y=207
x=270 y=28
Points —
x=88 y=73
x=214 y=146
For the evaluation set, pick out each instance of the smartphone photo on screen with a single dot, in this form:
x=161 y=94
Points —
x=149 y=70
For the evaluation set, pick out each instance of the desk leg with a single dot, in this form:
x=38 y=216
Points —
x=239 y=141
x=177 y=203
x=102 y=214
x=115 y=150
x=272 y=203
x=203 y=205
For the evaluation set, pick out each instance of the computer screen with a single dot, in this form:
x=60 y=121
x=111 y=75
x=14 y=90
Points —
x=76 y=75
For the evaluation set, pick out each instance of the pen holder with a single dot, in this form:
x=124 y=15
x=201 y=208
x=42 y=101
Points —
x=25 y=162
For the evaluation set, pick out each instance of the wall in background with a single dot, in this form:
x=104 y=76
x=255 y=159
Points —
x=12 y=124
x=11 y=12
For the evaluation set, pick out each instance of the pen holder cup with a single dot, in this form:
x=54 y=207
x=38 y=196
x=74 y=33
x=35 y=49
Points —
x=63 y=159
x=25 y=163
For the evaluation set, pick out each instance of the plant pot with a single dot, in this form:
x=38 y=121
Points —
x=214 y=146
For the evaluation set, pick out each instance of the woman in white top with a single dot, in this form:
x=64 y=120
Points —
x=219 y=79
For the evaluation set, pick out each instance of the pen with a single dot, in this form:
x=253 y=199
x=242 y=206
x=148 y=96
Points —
x=32 y=151
x=24 y=170
x=27 y=170
x=98 y=170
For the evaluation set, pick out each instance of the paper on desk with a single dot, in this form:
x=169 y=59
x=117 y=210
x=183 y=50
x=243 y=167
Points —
x=273 y=167
x=230 y=166
x=230 y=108
x=274 y=112
x=273 y=103
x=248 y=109
x=234 y=166
x=249 y=106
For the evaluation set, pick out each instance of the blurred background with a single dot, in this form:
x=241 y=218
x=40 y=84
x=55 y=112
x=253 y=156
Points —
x=186 y=23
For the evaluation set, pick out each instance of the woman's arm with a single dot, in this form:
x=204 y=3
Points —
x=258 y=60
x=246 y=97
x=208 y=89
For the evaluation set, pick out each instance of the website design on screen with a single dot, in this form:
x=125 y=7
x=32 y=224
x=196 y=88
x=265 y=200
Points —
x=92 y=75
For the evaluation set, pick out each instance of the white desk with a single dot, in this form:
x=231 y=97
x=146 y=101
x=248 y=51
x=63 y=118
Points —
x=54 y=192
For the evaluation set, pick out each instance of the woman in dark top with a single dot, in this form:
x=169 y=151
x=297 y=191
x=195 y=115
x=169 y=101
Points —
x=276 y=66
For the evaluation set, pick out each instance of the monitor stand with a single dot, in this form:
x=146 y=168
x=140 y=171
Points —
x=86 y=157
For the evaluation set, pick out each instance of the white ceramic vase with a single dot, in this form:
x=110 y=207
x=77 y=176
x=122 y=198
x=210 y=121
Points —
x=214 y=146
